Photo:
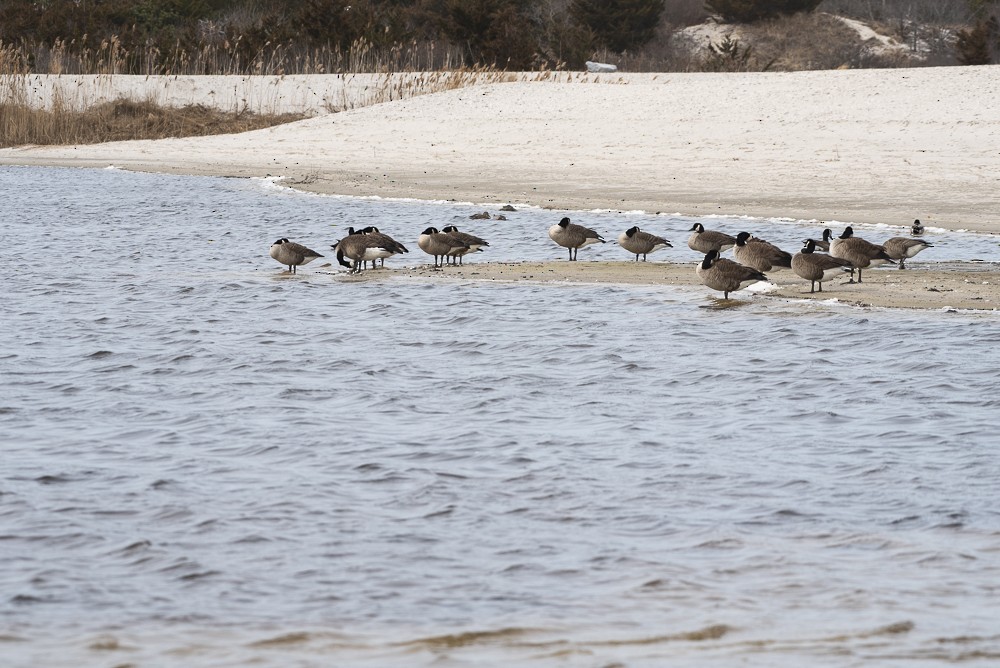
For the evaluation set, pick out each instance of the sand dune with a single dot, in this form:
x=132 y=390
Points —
x=860 y=146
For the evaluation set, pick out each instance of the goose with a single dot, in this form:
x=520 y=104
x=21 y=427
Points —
x=641 y=243
x=903 y=248
x=725 y=275
x=386 y=241
x=572 y=236
x=704 y=241
x=916 y=229
x=439 y=244
x=860 y=253
x=292 y=254
x=817 y=267
x=476 y=244
x=760 y=255
x=824 y=243
x=360 y=248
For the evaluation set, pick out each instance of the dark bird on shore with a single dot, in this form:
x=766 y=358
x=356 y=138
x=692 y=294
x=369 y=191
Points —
x=439 y=244
x=818 y=267
x=386 y=242
x=903 y=248
x=703 y=240
x=760 y=255
x=475 y=244
x=641 y=243
x=574 y=237
x=860 y=253
x=725 y=275
x=291 y=254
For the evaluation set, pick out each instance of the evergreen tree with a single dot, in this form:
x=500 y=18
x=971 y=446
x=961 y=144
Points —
x=492 y=32
x=619 y=25
x=978 y=45
x=749 y=11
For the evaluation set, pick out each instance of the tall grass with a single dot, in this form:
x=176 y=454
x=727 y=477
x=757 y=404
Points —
x=121 y=119
x=226 y=57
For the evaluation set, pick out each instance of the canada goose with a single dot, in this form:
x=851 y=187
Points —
x=572 y=236
x=902 y=248
x=817 y=267
x=360 y=248
x=704 y=241
x=292 y=254
x=916 y=229
x=439 y=244
x=824 y=243
x=641 y=243
x=386 y=242
x=760 y=255
x=475 y=244
x=860 y=253
x=725 y=275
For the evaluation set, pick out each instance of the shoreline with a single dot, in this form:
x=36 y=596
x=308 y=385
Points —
x=957 y=285
x=855 y=146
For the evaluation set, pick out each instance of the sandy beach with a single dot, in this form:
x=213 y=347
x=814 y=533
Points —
x=954 y=286
x=853 y=146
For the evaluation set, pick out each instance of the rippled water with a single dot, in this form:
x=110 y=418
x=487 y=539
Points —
x=206 y=461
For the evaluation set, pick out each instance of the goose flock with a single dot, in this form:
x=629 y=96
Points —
x=819 y=260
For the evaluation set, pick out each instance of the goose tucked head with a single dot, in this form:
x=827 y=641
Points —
x=564 y=223
x=449 y=229
x=741 y=238
x=710 y=258
x=848 y=232
x=809 y=246
x=279 y=242
x=430 y=230
x=630 y=232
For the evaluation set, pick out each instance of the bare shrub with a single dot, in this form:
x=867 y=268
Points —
x=751 y=11
x=805 y=42
x=935 y=12
x=685 y=12
x=122 y=119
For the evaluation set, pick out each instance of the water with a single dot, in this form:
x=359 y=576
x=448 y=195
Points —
x=206 y=461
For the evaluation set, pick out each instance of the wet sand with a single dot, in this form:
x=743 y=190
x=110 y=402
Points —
x=967 y=285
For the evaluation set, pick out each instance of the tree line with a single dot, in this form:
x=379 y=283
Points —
x=506 y=34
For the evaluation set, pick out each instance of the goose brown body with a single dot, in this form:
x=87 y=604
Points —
x=574 y=237
x=704 y=241
x=637 y=242
x=817 y=267
x=474 y=244
x=760 y=255
x=360 y=248
x=859 y=252
x=725 y=275
x=384 y=241
x=291 y=254
x=439 y=244
x=903 y=248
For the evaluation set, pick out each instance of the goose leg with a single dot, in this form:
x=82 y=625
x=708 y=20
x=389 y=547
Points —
x=902 y=263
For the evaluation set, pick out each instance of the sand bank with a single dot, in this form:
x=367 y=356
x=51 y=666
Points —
x=967 y=285
x=876 y=146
